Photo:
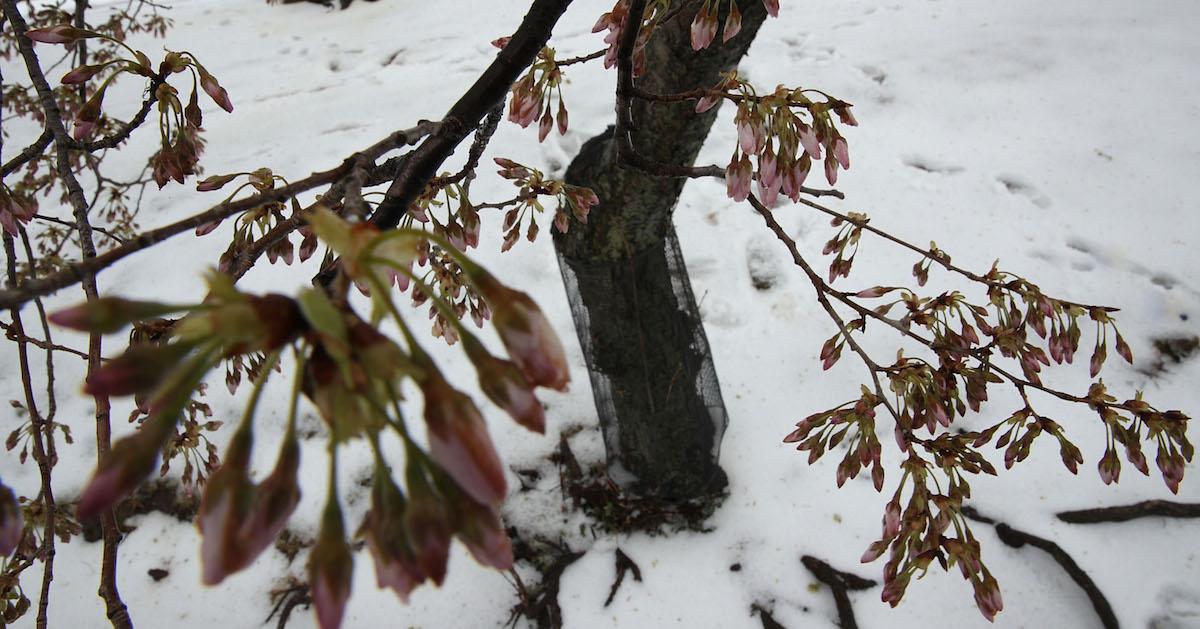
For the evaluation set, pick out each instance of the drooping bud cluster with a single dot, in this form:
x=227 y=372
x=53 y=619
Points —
x=258 y=221
x=615 y=21
x=534 y=93
x=15 y=211
x=573 y=202
x=704 y=25
x=179 y=125
x=775 y=145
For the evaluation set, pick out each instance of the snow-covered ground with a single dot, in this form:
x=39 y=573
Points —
x=1062 y=137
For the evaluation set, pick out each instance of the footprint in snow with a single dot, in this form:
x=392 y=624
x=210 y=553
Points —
x=1180 y=607
x=931 y=165
x=1018 y=185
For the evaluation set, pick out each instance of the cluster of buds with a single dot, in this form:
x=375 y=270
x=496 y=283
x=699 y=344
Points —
x=703 y=25
x=615 y=22
x=844 y=244
x=917 y=535
x=1141 y=422
x=573 y=201
x=783 y=146
x=165 y=376
x=239 y=519
x=15 y=211
x=179 y=126
x=532 y=95
x=461 y=225
x=852 y=423
x=258 y=221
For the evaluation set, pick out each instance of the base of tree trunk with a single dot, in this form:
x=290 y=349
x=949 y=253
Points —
x=652 y=376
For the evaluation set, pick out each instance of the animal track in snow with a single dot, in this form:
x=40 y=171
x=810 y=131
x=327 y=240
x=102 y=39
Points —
x=1018 y=185
x=931 y=165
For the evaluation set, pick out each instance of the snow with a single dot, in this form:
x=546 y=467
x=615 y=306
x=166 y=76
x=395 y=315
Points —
x=1059 y=137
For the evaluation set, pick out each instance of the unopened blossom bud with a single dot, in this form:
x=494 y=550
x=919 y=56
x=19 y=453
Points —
x=891 y=520
x=88 y=115
x=704 y=29
x=831 y=167
x=12 y=524
x=810 y=142
x=733 y=23
x=480 y=529
x=841 y=152
x=138 y=370
x=227 y=499
x=772 y=7
x=331 y=568
x=387 y=538
x=845 y=115
x=59 y=34
x=106 y=315
x=210 y=86
x=427 y=524
x=525 y=332
x=738 y=175
x=459 y=440
x=504 y=385
x=82 y=74
x=130 y=462
x=987 y=597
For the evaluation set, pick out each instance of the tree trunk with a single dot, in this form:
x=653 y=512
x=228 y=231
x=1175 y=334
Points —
x=651 y=371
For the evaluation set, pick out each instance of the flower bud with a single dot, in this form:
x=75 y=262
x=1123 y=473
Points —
x=480 y=529
x=459 y=440
x=525 y=332
x=227 y=499
x=82 y=74
x=106 y=315
x=331 y=568
x=504 y=385
x=215 y=91
x=12 y=525
x=384 y=531
x=427 y=525
x=138 y=370
x=59 y=34
x=126 y=466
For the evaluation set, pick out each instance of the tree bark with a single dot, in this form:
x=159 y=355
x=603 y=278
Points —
x=652 y=375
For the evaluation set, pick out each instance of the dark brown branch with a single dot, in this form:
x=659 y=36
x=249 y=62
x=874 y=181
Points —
x=1124 y=513
x=839 y=583
x=1016 y=539
x=38 y=433
x=487 y=92
x=33 y=150
x=581 y=59
x=624 y=564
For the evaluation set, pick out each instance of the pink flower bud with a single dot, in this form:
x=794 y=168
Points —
x=738 y=176
x=108 y=314
x=544 y=127
x=525 y=332
x=427 y=525
x=772 y=7
x=330 y=569
x=733 y=23
x=504 y=385
x=227 y=499
x=891 y=520
x=138 y=370
x=126 y=466
x=59 y=34
x=384 y=531
x=480 y=529
x=831 y=167
x=12 y=524
x=810 y=142
x=841 y=152
x=459 y=440
x=81 y=74
x=214 y=90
